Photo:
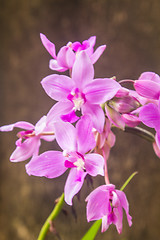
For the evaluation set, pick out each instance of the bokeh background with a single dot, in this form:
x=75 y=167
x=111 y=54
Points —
x=131 y=30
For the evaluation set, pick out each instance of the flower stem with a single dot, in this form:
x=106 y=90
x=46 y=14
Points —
x=127 y=181
x=141 y=133
x=51 y=217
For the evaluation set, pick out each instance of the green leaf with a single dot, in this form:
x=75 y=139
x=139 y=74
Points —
x=92 y=232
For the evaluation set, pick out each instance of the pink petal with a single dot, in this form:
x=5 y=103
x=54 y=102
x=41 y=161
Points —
x=96 y=55
x=150 y=76
x=40 y=125
x=85 y=139
x=82 y=72
x=97 y=205
x=115 y=117
x=53 y=65
x=105 y=223
x=150 y=115
x=130 y=120
x=20 y=124
x=92 y=41
x=49 y=164
x=118 y=213
x=70 y=117
x=66 y=57
x=48 y=45
x=73 y=184
x=57 y=110
x=66 y=136
x=148 y=89
x=94 y=164
x=97 y=115
x=26 y=150
x=124 y=204
x=57 y=86
x=101 y=90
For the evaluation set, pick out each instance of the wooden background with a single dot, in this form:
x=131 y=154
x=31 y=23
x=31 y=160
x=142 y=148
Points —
x=131 y=30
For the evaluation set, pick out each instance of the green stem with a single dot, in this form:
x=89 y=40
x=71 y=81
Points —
x=141 y=133
x=127 y=181
x=51 y=217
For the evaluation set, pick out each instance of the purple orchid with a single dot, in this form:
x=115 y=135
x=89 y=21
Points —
x=67 y=54
x=75 y=142
x=107 y=203
x=81 y=92
x=150 y=116
x=148 y=85
x=29 y=140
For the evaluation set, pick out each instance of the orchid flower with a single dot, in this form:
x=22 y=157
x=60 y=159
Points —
x=67 y=54
x=150 y=116
x=148 y=85
x=29 y=140
x=75 y=143
x=81 y=92
x=107 y=203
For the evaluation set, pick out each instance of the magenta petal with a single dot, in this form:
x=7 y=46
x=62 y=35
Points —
x=73 y=184
x=82 y=72
x=124 y=204
x=101 y=90
x=85 y=140
x=53 y=65
x=94 y=164
x=57 y=110
x=150 y=76
x=49 y=164
x=97 y=205
x=66 y=136
x=148 y=89
x=92 y=41
x=20 y=124
x=48 y=45
x=66 y=57
x=70 y=117
x=130 y=120
x=57 y=86
x=96 y=55
x=150 y=115
x=25 y=150
x=118 y=213
x=97 y=115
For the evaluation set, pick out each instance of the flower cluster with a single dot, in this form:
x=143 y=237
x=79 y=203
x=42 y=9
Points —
x=94 y=106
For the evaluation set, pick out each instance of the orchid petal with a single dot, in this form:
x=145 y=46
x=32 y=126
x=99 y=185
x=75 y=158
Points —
x=50 y=47
x=124 y=204
x=20 y=124
x=66 y=57
x=97 y=115
x=25 y=150
x=85 y=140
x=66 y=136
x=96 y=55
x=150 y=76
x=94 y=164
x=40 y=125
x=101 y=90
x=150 y=115
x=49 y=164
x=53 y=65
x=73 y=184
x=57 y=110
x=130 y=120
x=82 y=72
x=97 y=205
x=57 y=86
x=148 y=89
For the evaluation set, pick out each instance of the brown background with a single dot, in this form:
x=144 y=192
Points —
x=131 y=30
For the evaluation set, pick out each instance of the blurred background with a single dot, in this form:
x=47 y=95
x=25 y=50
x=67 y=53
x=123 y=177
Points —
x=131 y=31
